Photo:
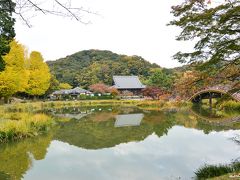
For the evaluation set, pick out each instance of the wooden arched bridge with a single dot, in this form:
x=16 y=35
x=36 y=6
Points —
x=214 y=92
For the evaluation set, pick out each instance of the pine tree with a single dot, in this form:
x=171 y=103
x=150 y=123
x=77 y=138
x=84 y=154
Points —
x=7 y=32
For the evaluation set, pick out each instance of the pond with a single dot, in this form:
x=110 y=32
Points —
x=122 y=143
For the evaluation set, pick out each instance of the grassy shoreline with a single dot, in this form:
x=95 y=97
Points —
x=36 y=106
x=15 y=126
x=218 y=171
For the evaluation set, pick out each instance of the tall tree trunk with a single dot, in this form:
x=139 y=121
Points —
x=6 y=100
x=34 y=98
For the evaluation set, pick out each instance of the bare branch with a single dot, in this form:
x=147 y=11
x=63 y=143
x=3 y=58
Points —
x=36 y=6
x=67 y=10
x=25 y=20
x=26 y=7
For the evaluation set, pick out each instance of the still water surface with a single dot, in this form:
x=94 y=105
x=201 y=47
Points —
x=123 y=143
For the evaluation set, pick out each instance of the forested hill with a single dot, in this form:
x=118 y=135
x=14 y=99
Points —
x=92 y=66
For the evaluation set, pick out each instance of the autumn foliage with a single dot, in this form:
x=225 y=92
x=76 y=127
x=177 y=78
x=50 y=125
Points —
x=98 y=88
x=153 y=92
x=39 y=75
x=113 y=91
x=186 y=85
x=103 y=88
x=23 y=74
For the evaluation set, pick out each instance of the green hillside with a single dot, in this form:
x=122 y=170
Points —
x=92 y=66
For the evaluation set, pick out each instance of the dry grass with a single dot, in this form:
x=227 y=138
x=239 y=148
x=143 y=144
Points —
x=15 y=126
x=35 y=106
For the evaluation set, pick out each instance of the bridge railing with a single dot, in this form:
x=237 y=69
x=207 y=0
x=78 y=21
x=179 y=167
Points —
x=218 y=89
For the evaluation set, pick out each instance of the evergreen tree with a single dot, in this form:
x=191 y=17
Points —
x=159 y=78
x=7 y=32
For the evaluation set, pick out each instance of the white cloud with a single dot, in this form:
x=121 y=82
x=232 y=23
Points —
x=136 y=27
x=177 y=154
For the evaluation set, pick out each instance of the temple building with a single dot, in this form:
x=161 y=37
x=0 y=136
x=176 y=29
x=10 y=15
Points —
x=128 y=84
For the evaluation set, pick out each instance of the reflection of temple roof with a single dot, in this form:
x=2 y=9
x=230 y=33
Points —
x=128 y=120
x=90 y=134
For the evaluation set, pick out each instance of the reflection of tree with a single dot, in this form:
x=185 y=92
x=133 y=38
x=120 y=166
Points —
x=16 y=158
x=160 y=121
x=97 y=129
x=92 y=134
x=208 y=127
x=197 y=121
x=4 y=176
x=236 y=139
x=208 y=113
x=213 y=114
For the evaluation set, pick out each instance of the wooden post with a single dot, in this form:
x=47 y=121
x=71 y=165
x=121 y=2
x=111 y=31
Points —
x=210 y=100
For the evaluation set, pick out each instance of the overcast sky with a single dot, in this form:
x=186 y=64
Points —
x=131 y=27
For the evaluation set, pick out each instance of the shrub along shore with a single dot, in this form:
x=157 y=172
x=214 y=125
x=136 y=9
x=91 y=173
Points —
x=36 y=106
x=15 y=126
x=218 y=171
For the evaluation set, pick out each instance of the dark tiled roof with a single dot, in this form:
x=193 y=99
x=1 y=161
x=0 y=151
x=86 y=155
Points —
x=127 y=82
x=76 y=90
x=60 y=92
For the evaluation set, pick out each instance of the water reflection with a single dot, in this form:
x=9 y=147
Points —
x=4 y=176
x=209 y=114
x=99 y=130
x=120 y=143
x=169 y=157
x=128 y=120
x=17 y=158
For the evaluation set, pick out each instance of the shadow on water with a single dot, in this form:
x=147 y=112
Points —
x=4 y=176
x=98 y=128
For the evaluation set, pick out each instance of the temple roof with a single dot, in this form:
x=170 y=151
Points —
x=127 y=82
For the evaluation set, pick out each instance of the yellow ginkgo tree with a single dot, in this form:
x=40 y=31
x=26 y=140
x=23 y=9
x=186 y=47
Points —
x=15 y=76
x=30 y=75
x=39 y=75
